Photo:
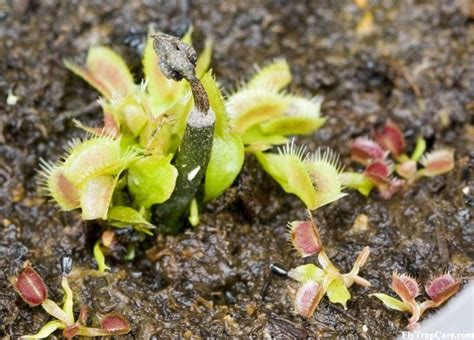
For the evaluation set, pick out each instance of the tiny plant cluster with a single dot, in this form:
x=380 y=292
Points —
x=316 y=282
x=168 y=146
x=440 y=289
x=319 y=281
x=378 y=173
x=32 y=289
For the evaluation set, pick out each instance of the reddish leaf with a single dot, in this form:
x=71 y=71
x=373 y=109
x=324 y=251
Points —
x=442 y=288
x=115 y=323
x=364 y=150
x=390 y=138
x=305 y=237
x=83 y=315
x=30 y=286
x=405 y=286
x=378 y=173
x=307 y=299
x=71 y=331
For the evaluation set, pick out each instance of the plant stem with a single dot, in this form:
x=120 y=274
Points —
x=178 y=61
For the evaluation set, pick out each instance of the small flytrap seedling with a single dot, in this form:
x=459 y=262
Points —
x=440 y=289
x=319 y=281
x=32 y=289
x=373 y=154
x=172 y=143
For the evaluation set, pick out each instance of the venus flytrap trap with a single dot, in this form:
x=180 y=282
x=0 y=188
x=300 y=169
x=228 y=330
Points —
x=316 y=282
x=263 y=115
x=313 y=177
x=32 y=289
x=373 y=154
x=439 y=289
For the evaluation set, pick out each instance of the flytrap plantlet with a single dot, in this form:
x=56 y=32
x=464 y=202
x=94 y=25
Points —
x=32 y=289
x=373 y=154
x=319 y=281
x=440 y=289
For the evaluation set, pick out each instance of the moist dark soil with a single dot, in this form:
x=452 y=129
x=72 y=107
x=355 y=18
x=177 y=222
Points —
x=415 y=67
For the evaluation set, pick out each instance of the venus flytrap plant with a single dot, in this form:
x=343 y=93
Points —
x=134 y=144
x=319 y=281
x=378 y=173
x=168 y=146
x=440 y=289
x=32 y=289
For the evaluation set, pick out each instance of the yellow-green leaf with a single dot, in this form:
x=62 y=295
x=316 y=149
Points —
x=204 y=59
x=151 y=180
x=100 y=258
x=106 y=71
x=338 y=293
x=133 y=113
x=227 y=158
x=68 y=300
x=255 y=137
x=96 y=194
x=392 y=303
x=120 y=216
x=313 y=178
x=194 y=213
x=307 y=272
x=275 y=76
x=97 y=156
x=356 y=181
x=216 y=102
x=324 y=170
x=289 y=171
x=419 y=149
x=253 y=106
x=301 y=117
